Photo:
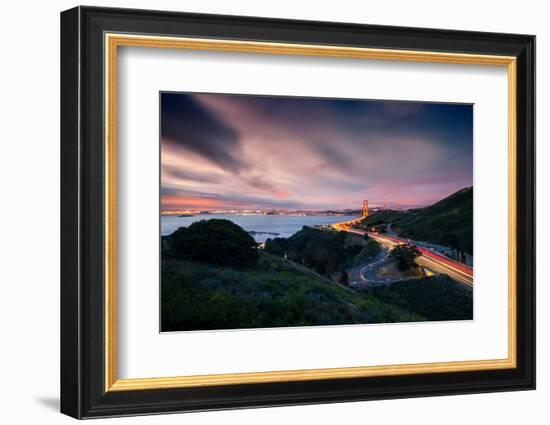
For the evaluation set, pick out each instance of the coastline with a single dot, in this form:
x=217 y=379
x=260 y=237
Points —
x=260 y=226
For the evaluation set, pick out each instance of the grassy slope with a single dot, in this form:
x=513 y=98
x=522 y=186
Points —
x=384 y=217
x=450 y=217
x=436 y=298
x=270 y=294
x=367 y=253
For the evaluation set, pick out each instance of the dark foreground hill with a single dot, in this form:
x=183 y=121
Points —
x=214 y=277
x=272 y=293
x=435 y=297
x=448 y=222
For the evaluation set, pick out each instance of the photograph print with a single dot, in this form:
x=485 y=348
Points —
x=296 y=211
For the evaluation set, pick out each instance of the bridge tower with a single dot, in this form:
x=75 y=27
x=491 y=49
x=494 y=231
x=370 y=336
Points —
x=365 y=208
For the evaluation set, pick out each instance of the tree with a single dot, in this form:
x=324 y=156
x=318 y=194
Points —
x=452 y=241
x=381 y=228
x=275 y=246
x=405 y=255
x=322 y=256
x=344 y=280
x=215 y=241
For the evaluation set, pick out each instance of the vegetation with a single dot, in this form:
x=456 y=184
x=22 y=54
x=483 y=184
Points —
x=405 y=255
x=383 y=218
x=344 y=279
x=367 y=254
x=435 y=298
x=271 y=293
x=215 y=241
x=214 y=277
x=326 y=252
x=448 y=222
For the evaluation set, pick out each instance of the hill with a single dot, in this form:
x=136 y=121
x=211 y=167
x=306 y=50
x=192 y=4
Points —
x=448 y=222
x=435 y=297
x=271 y=293
x=326 y=252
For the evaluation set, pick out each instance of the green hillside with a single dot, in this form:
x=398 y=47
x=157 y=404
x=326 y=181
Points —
x=448 y=222
x=435 y=297
x=272 y=293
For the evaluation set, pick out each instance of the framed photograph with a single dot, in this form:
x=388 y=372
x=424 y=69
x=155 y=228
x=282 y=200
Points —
x=261 y=212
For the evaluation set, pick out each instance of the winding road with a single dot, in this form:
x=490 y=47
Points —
x=433 y=261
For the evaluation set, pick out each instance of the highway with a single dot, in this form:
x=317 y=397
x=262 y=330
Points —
x=433 y=261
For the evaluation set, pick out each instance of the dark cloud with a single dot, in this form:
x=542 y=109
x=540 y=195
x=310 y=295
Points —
x=189 y=175
x=334 y=156
x=262 y=184
x=189 y=125
x=178 y=191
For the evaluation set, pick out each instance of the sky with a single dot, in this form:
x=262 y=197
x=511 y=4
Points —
x=245 y=152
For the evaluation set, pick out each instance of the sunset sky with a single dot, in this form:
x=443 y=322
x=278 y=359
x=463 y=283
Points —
x=262 y=152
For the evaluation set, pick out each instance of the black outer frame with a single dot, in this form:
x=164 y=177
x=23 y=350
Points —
x=82 y=219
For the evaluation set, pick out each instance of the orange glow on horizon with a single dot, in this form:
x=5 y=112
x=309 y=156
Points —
x=186 y=202
x=197 y=203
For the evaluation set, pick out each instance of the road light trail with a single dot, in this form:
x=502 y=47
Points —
x=431 y=260
x=442 y=268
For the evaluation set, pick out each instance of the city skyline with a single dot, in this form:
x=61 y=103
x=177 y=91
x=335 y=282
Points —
x=245 y=152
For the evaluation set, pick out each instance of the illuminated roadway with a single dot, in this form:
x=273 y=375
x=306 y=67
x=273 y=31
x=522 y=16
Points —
x=433 y=261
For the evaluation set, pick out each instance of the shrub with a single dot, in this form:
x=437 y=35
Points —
x=215 y=241
x=405 y=255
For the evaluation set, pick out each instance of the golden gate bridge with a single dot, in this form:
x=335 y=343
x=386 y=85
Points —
x=365 y=209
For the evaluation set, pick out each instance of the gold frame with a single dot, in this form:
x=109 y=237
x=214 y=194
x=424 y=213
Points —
x=113 y=41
